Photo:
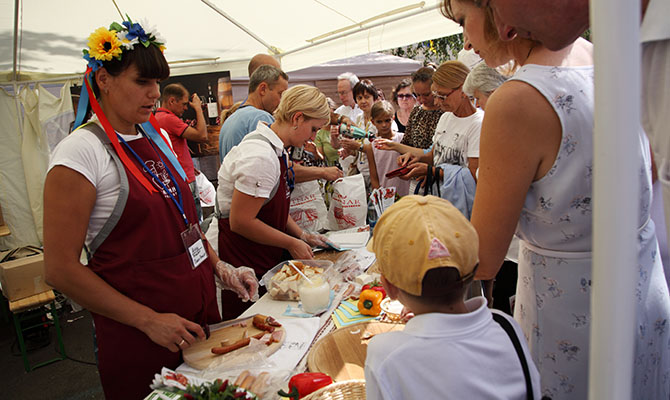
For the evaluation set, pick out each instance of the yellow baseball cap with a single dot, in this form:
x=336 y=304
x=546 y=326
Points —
x=419 y=233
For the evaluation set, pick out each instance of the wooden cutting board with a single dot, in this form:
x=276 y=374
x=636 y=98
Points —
x=341 y=354
x=200 y=355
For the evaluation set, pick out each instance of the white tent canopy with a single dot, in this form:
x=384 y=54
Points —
x=215 y=35
x=372 y=64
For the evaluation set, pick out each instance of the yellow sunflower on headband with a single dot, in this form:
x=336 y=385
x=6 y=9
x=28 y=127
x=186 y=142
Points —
x=104 y=45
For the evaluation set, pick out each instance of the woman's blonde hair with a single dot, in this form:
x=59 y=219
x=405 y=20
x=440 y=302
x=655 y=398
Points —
x=490 y=30
x=451 y=74
x=302 y=98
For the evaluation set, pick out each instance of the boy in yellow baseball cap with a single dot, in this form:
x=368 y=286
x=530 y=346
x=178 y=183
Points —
x=427 y=252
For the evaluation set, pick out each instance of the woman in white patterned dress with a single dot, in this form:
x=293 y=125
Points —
x=536 y=158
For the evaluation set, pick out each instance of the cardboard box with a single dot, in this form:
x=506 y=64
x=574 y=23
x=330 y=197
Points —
x=23 y=277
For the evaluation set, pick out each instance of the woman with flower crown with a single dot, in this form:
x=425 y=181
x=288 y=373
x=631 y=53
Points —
x=115 y=189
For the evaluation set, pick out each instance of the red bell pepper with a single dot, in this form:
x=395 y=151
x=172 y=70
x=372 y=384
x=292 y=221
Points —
x=375 y=285
x=301 y=385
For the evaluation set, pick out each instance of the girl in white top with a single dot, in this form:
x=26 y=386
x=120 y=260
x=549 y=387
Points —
x=382 y=162
x=353 y=159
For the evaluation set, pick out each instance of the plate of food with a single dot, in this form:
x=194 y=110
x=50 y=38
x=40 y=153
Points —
x=232 y=339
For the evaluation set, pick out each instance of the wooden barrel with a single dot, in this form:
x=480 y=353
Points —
x=225 y=93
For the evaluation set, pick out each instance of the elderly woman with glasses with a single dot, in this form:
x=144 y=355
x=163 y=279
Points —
x=481 y=82
x=456 y=138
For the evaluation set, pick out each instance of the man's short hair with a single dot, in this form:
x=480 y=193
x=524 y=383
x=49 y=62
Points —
x=261 y=59
x=265 y=73
x=176 y=90
x=348 y=76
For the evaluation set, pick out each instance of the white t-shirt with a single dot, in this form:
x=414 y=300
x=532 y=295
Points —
x=83 y=152
x=449 y=356
x=457 y=139
x=252 y=167
x=351 y=113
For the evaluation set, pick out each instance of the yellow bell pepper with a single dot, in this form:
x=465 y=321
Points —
x=369 y=302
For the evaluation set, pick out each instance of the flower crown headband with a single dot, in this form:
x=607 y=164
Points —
x=105 y=44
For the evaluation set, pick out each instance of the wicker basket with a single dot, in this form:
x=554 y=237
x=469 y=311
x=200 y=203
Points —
x=346 y=390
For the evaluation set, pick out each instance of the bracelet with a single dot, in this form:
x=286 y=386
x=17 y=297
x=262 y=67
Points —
x=362 y=147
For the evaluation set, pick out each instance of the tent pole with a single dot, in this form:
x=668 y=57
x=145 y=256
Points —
x=63 y=79
x=616 y=197
x=16 y=39
x=272 y=49
x=364 y=28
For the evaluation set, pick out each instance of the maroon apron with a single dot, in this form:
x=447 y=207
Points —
x=144 y=258
x=238 y=250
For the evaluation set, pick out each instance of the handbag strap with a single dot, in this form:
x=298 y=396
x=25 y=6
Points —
x=509 y=329
x=436 y=179
x=428 y=188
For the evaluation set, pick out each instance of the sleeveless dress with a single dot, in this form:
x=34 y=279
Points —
x=554 y=284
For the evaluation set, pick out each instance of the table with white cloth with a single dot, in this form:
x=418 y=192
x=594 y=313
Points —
x=301 y=332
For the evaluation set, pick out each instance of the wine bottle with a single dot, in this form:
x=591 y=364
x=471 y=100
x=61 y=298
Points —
x=212 y=108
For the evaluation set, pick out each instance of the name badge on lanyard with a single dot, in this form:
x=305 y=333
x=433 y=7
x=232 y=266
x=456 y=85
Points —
x=192 y=238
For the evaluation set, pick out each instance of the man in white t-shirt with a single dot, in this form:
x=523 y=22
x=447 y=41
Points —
x=451 y=348
x=345 y=85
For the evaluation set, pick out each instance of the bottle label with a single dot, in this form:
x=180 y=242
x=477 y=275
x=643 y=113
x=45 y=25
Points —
x=212 y=111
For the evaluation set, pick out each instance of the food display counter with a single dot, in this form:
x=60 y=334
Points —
x=277 y=362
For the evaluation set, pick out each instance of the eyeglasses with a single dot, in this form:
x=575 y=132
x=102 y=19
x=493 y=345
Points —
x=344 y=92
x=443 y=97
x=406 y=96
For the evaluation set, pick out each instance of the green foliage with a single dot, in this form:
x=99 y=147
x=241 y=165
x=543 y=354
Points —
x=436 y=50
x=216 y=390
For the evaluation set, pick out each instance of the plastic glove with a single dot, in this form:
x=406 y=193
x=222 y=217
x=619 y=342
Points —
x=314 y=239
x=248 y=278
x=240 y=280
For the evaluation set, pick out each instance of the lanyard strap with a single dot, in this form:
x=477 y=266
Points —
x=290 y=175
x=151 y=128
x=180 y=203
